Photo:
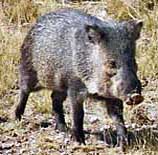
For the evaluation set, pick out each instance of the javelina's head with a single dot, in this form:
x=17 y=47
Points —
x=116 y=44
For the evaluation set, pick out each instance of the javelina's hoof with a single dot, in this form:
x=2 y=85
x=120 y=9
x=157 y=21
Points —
x=134 y=99
x=78 y=136
x=122 y=143
x=18 y=114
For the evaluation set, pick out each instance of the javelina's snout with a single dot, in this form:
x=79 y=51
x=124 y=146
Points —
x=134 y=99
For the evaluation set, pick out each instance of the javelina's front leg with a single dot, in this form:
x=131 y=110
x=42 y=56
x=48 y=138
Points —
x=58 y=98
x=115 y=111
x=77 y=96
x=77 y=126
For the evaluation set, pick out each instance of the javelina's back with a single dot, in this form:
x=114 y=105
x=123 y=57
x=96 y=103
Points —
x=49 y=50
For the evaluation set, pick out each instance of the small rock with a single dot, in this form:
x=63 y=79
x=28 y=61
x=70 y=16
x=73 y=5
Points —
x=7 y=145
x=133 y=125
x=94 y=119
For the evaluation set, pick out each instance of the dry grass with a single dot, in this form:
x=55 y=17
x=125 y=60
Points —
x=16 y=17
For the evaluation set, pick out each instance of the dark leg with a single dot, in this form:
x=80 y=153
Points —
x=77 y=96
x=78 y=116
x=115 y=111
x=22 y=104
x=28 y=77
x=58 y=98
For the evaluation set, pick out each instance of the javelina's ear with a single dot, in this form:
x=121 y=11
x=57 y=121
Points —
x=138 y=27
x=135 y=27
x=94 y=33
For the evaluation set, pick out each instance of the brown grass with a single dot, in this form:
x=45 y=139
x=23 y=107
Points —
x=16 y=17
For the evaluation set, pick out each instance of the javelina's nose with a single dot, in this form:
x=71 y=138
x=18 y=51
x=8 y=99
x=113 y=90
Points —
x=134 y=99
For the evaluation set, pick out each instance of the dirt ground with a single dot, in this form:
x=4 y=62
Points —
x=35 y=134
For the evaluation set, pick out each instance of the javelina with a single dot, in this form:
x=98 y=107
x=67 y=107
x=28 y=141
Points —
x=78 y=55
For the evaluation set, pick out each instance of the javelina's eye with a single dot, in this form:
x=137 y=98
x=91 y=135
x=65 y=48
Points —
x=112 y=64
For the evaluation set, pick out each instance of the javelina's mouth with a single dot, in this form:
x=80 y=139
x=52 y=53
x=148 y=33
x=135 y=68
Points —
x=134 y=99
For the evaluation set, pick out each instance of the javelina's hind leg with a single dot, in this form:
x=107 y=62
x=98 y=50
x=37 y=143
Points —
x=22 y=104
x=58 y=98
x=115 y=111
x=77 y=97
